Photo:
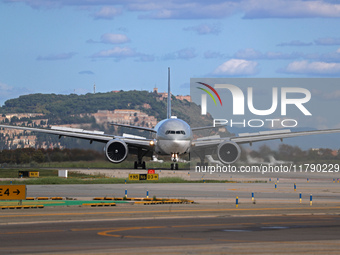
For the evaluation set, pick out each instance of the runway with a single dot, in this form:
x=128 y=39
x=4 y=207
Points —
x=317 y=234
x=238 y=175
x=275 y=223
x=322 y=191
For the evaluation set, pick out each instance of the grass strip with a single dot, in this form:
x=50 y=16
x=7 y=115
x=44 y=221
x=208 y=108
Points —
x=56 y=203
x=58 y=180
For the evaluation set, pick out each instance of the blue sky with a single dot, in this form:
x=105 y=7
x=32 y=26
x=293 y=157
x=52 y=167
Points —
x=65 y=46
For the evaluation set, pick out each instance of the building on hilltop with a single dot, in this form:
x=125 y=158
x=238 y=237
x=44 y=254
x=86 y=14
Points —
x=164 y=95
x=125 y=116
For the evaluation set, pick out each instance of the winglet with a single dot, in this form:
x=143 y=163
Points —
x=169 y=96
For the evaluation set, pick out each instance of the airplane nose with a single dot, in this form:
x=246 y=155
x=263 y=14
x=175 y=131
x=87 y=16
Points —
x=180 y=146
x=174 y=146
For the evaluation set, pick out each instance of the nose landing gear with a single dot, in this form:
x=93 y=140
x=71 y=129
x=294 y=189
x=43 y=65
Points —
x=174 y=158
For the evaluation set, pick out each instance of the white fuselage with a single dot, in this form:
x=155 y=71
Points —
x=174 y=136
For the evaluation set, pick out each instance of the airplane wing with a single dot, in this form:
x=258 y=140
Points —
x=260 y=136
x=228 y=149
x=208 y=127
x=277 y=134
x=97 y=136
x=134 y=127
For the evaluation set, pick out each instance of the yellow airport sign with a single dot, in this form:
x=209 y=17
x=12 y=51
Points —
x=152 y=177
x=133 y=177
x=33 y=174
x=143 y=177
x=12 y=192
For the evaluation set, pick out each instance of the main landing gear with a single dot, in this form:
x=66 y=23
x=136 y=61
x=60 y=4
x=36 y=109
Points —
x=201 y=155
x=174 y=166
x=199 y=164
x=140 y=162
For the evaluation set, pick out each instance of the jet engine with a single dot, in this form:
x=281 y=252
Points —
x=116 y=151
x=228 y=152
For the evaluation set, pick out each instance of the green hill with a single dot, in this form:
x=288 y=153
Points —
x=77 y=109
x=61 y=106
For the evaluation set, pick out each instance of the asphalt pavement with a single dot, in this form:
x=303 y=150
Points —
x=279 y=234
x=274 y=221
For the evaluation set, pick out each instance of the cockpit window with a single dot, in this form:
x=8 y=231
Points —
x=172 y=132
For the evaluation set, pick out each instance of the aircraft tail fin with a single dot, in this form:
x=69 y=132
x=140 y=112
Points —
x=169 y=96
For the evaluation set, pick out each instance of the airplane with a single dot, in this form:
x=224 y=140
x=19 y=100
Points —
x=173 y=137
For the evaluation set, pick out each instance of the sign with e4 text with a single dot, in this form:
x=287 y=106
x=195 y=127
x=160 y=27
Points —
x=12 y=192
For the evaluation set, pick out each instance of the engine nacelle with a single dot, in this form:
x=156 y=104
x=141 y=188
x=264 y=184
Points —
x=228 y=152
x=116 y=151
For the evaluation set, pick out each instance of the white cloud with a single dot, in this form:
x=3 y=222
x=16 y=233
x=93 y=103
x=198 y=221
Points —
x=290 y=9
x=120 y=53
x=86 y=72
x=333 y=56
x=116 y=52
x=109 y=38
x=60 y=56
x=114 y=38
x=327 y=41
x=205 y=29
x=213 y=54
x=194 y=9
x=237 y=67
x=107 y=12
x=250 y=53
x=186 y=54
x=40 y=3
x=315 y=68
x=187 y=9
x=145 y=58
x=294 y=43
